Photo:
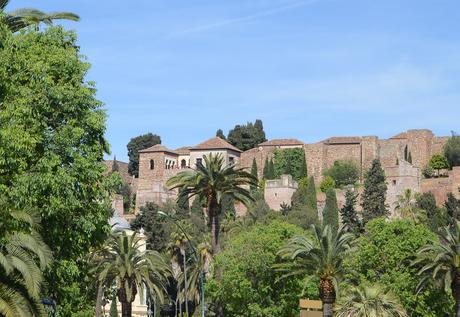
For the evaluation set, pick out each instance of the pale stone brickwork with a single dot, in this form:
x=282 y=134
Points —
x=279 y=191
x=158 y=163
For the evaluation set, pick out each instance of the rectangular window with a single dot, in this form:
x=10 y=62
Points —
x=199 y=161
x=231 y=160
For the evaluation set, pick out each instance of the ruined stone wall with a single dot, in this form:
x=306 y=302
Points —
x=343 y=152
x=279 y=191
x=391 y=151
x=399 y=178
x=369 y=152
x=419 y=143
x=314 y=154
x=441 y=186
x=260 y=154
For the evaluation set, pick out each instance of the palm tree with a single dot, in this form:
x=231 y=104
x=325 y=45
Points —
x=406 y=207
x=123 y=262
x=321 y=256
x=21 y=18
x=211 y=181
x=441 y=262
x=23 y=258
x=365 y=300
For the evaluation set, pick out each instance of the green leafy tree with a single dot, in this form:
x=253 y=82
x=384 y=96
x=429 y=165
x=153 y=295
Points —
x=374 y=194
x=441 y=265
x=23 y=258
x=343 y=172
x=452 y=206
x=51 y=149
x=291 y=162
x=438 y=162
x=384 y=254
x=427 y=202
x=247 y=136
x=452 y=150
x=327 y=183
x=320 y=256
x=220 y=134
x=211 y=181
x=121 y=262
x=365 y=300
x=250 y=286
x=137 y=144
x=21 y=18
x=348 y=213
x=331 y=211
x=406 y=207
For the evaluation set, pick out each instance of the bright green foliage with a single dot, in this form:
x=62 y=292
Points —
x=438 y=162
x=121 y=262
x=348 y=213
x=254 y=170
x=384 y=255
x=406 y=207
x=250 y=286
x=247 y=136
x=327 y=183
x=321 y=257
x=23 y=258
x=343 y=172
x=52 y=144
x=365 y=300
x=304 y=211
x=439 y=262
x=137 y=144
x=331 y=210
x=291 y=162
x=374 y=195
x=452 y=206
x=113 y=308
x=452 y=150
x=21 y=18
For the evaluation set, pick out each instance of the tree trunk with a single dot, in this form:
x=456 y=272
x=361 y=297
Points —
x=126 y=309
x=99 y=294
x=327 y=295
x=185 y=283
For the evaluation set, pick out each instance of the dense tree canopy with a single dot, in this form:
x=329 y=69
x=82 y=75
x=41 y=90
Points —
x=291 y=162
x=452 y=150
x=438 y=162
x=384 y=255
x=136 y=144
x=51 y=149
x=374 y=196
x=250 y=286
x=343 y=173
x=247 y=136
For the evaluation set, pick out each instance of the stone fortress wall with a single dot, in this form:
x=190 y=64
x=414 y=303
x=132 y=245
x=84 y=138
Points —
x=158 y=164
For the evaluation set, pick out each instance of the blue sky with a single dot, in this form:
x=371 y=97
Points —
x=309 y=69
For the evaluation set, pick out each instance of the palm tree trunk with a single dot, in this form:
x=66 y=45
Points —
x=215 y=225
x=327 y=295
x=126 y=309
x=185 y=284
x=99 y=294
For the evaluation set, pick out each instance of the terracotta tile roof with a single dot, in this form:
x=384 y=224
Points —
x=343 y=140
x=184 y=150
x=158 y=148
x=281 y=142
x=214 y=144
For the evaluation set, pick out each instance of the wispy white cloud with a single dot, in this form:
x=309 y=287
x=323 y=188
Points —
x=242 y=19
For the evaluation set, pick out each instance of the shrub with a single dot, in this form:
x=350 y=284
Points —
x=428 y=171
x=343 y=172
x=328 y=182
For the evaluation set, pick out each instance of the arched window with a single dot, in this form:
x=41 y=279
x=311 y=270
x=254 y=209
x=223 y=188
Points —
x=152 y=164
x=183 y=163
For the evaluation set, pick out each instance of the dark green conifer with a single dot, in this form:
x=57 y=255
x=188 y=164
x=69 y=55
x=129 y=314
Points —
x=311 y=194
x=331 y=210
x=254 y=170
x=374 y=195
x=348 y=213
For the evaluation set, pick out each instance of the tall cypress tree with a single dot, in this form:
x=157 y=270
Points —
x=115 y=167
x=303 y=168
x=220 y=134
x=271 y=169
x=331 y=211
x=452 y=206
x=311 y=194
x=374 y=195
x=254 y=170
x=113 y=308
x=348 y=212
x=266 y=168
